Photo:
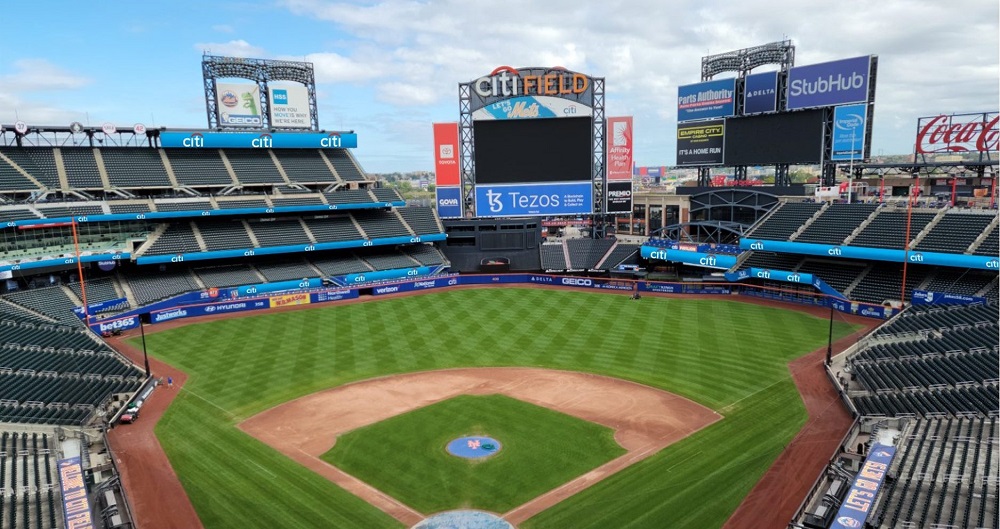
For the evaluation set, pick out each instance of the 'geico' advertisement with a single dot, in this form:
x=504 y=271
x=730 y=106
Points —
x=238 y=105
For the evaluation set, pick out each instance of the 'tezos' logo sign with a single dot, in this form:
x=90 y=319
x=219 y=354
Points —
x=958 y=133
x=505 y=81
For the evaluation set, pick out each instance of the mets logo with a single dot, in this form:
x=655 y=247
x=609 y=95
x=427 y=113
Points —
x=229 y=99
x=847 y=521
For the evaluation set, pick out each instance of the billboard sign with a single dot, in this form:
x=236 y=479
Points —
x=289 y=106
x=619 y=197
x=958 y=133
x=700 y=143
x=707 y=100
x=829 y=83
x=849 y=132
x=449 y=202
x=524 y=200
x=760 y=93
x=532 y=107
x=76 y=507
x=258 y=140
x=238 y=105
x=446 y=167
x=860 y=498
x=619 y=158
x=529 y=84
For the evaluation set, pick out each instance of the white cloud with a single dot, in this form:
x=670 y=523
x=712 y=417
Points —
x=39 y=74
x=233 y=48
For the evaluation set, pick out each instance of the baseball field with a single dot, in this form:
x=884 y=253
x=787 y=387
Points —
x=729 y=356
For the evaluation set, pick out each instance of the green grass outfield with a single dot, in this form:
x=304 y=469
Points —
x=727 y=355
x=405 y=456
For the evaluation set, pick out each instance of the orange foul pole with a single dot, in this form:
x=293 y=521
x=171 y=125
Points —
x=79 y=271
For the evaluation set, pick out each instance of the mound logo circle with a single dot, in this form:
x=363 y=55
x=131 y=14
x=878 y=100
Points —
x=473 y=447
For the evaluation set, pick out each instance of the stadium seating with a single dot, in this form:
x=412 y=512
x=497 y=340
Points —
x=11 y=179
x=134 y=168
x=253 y=166
x=333 y=228
x=386 y=194
x=304 y=165
x=837 y=274
x=426 y=254
x=177 y=239
x=228 y=276
x=960 y=281
x=129 y=207
x=344 y=164
x=553 y=257
x=50 y=301
x=954 y=232
x=197 y=168
x=224 y=234
x=149 y=285
x=888 y=229
x=29 y=481
x=17 y=213
x=943 y=476
x=242 y=202
x=584 y=254
x=379 y=224
x=990 y=245
x=286 y=271
x=421 y=219
x=387 y=260
x=279 y=232
x=771 y=261
x=66 y=210
x=81 y=168
x=39 y=162
x=183 y=205
x=883 y=282
x=784 y=221
x=340 y=265
x=349 y=196
x=308 y=200
x=100 y=289
x=623 y=253
x=836 y=223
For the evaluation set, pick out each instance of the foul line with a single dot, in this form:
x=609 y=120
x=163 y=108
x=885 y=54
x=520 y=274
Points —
x=223 y=410
x=765 y=388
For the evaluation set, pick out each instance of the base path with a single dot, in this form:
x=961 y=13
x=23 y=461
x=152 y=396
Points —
x=645 y=420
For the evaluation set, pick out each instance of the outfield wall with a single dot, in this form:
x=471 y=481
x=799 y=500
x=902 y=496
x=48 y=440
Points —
x=210 y=302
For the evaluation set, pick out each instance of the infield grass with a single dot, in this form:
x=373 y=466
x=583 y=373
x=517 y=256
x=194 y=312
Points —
x=729 y=356
x=405 y=456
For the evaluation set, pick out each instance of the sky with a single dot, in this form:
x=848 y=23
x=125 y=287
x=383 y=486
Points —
x=387 y=69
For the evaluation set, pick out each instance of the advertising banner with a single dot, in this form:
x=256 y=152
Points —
x=781 y=275
x=849 y=132
x=332 y=295
x=288 y=300
x=958 y=133
x=619 y=197
x=524 y=84
x=289 y=106
x=238 y=105
x=257 y=140
x=708 y=260
x=446 y=164
x=860 y=498
x=531 y=107
x=981 y=262
x=423 y=284
x=829 y=83
x=382 y=275
x=449 y=202
x=924 y=297
x=760 y=93
x=701 y=143
x=619 y=158
x=76 y=507
x=707 y=100
x=278 y=286
x=524 y=200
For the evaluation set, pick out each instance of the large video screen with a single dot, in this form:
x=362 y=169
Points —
x=792 y=138
x=533 y=150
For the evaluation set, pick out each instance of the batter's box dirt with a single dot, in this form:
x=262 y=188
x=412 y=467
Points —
x=645 y=420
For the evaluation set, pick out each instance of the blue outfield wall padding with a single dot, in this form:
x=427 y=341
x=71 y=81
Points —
x=924 y=297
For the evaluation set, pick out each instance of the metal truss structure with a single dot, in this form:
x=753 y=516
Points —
x=713 y=231
x=260 y=71
x=467 y=151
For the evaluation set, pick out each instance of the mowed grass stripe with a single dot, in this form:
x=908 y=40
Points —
x=253 y=363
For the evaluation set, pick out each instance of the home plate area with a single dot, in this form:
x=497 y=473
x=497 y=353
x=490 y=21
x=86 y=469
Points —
x=446 y=449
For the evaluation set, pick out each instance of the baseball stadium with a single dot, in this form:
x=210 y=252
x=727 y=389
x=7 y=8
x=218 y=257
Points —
x=239 y=326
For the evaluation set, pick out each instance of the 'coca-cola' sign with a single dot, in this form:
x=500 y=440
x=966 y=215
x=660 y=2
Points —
x=958 y=133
